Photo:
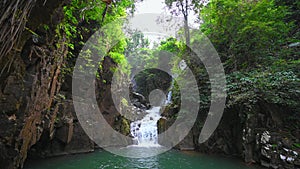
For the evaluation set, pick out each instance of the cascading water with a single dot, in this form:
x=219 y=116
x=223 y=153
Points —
x=145 y=131
x=169 y=97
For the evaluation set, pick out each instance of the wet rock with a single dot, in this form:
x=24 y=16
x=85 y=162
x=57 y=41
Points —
x=139 y=101
x=65 y=132
x=264 y=136
x=265 y=164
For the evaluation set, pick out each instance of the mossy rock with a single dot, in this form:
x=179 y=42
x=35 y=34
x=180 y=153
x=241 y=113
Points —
x=125 y=126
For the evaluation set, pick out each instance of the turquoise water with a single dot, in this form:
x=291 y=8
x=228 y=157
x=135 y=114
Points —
x=172 y=159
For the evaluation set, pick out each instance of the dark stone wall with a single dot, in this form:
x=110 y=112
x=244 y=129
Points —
x=266 y=136
x=30 y=80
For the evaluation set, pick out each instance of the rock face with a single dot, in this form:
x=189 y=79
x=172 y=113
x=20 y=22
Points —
x=66 y=137
x=29 y=83
x=37 y=116
x=270 y=137
x=150 y=79
x=267 y=136
x=139 y=100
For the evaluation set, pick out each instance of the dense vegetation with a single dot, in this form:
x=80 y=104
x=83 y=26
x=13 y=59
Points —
x=258 y=42
x=253 y=39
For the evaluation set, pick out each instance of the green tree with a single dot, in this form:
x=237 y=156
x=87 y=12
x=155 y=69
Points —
x=135 y=42
x=183 y=7
x=245 y=33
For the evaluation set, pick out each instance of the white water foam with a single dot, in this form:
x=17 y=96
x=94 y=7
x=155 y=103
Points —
x=145 y=131
x=169 y=97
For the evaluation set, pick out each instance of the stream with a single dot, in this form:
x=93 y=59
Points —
x=145 y=136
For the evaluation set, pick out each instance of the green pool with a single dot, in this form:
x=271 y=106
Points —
x=172 y=159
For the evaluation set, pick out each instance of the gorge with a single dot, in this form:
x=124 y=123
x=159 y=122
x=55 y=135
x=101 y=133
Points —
x=258 y=45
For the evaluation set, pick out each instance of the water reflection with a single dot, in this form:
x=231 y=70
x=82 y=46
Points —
x=150 y=162
x=168 y=160
x=141 y=152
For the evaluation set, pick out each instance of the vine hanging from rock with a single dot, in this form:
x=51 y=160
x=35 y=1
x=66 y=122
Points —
x=12 y=21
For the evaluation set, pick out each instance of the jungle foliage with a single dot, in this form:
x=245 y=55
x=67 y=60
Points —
x=257 y=41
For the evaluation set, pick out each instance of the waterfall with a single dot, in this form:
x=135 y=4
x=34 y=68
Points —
x=145 y=131
x=169 y=97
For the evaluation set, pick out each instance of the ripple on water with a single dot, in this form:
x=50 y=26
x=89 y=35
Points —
x=169 y=160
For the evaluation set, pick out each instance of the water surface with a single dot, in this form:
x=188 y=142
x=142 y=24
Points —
x=172 y=159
